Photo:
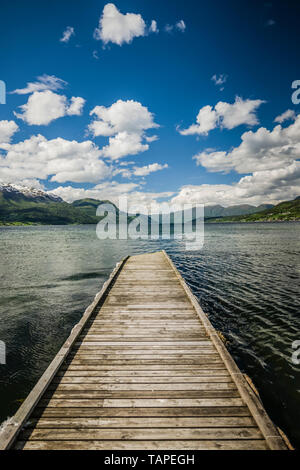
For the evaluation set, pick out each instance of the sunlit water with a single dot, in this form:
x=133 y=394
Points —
x=246 y=278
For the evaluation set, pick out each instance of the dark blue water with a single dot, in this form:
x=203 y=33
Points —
x=246 y=278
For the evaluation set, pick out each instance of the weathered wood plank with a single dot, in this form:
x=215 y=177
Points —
x=144 y=422
x=141 y=403
x=143 y=387
x=145 y=445
x=77 y=412
x=152 y=373
x=139 y=433
x=136 y=394
x=66 y=379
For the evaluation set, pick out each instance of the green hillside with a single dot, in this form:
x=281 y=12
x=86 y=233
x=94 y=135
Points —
x=284 y=211
x=17 y=208
x=22 y=211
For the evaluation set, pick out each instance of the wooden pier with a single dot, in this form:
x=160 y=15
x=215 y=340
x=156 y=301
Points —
x=143 y=369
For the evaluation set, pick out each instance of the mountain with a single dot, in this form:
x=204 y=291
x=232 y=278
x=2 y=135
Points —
x=220 y=211
x=89 y=206
x=21 y=205
x=284 y=211
x=15 y=192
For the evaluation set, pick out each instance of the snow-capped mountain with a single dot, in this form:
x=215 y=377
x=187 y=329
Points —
x=13 y=191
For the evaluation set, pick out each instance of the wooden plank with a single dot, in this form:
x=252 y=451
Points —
x=139 y=433
x=66 y=379
x=144 y=387
x=77 y=412
x=140 y=403
x=145 y=445
x=154 y=367
x=89 y=349
x=153 y=374
x=136 y=394
x=145 y=362
x=144 y=422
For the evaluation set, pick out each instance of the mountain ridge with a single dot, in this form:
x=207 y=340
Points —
x=27 y=206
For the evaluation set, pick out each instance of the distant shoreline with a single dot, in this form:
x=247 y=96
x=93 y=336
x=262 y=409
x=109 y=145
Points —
x=219 y=222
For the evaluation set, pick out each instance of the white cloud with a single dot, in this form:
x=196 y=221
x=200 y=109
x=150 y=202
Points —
x=44 y=107
x=118 y=28
x=288 y=115
x=206 y=121
x=7 y=130
x=153 y=27
x=219 y=80
x=45 y=82
x=124 y=144
x=261 y=187
x=67 y=34
x=111 y=191
x=271 y=159
x=125 y=123
x=76 y=106
x=146 y=170
x=224 y=115
x=181 y=26
x=240 y=112
x=262 y=150
x=61 y=160
x=151 y=138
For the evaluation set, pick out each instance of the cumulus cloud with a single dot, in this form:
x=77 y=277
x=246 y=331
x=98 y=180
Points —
x=206 y=121
x=147 y=169
x=125 y=123
x=288 y=115
x=270 y=161
x=44 y=82
x=123 y=144
x=67 y=34
x=60 y=159
x=118 y=28
x=44 y=107
x=261 y=187
x=111 y=191
x=7 y=130
x=259 y=151
x=76 y=106
x=224 y=115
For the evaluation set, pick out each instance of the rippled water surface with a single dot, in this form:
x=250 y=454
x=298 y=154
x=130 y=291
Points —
x=246 y=278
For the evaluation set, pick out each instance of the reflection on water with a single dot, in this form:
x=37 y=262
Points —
x=246 y=278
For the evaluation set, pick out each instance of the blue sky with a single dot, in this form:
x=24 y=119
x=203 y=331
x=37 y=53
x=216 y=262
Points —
x=145 y=79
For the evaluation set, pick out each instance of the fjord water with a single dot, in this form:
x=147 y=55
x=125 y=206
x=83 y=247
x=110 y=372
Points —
x=246 y=278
